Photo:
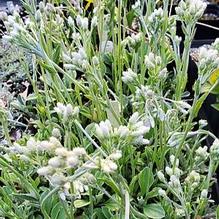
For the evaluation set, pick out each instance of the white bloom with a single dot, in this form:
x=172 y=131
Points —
x=202 y=152
x=161 y=176
x=60 y=108
x=136 y=5
x=140 y=131
x=122 y=131
x=79 y=186
x=16 y=148
x=169 y=171
x=134 y=118
x=202 y=123
x=129 y=76
x=94 y=21
x=55 y=142
x=177 y=171
x=49 y=7
x=55 y=162
x=42 y=6
x=137 y=37
x=151 y=60
x=174 y=181
x=191 y=9
x=106 y=46
x=192 y=178
x=61 y=151
x=76 y=36
x=87 y=178
x=66 y=111
x=95 y=60
x=156 y=15
x=163 y=73
x=45 y=171
x=79 y=151
x=116 y=155
x=162 y=193
x=141 y=141
x=177 y=39
x=58 y=179
x=45 y=146
x=56 y=133
x=108 y=166
x=32 y=144
x=214 y=150
x=79 y=20
x=72 y=161
x=84 y=24
x=104 y=129
x=3 y=16
x=144 y=91
x=172 y=160
x=70 y=21
x=180 y=212
x=204 y=194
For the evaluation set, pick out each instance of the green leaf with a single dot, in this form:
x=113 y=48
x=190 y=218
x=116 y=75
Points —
x=153 y=193
x=199 y=103
x=217 y=213
x=154 y=211
x=55 y=211
x=146 y=179
x=49 y=68
x=81 y=203
x=130 y=17
x=23 y=197
x=106 y=212
x=112 y=185
x=132 y=186
x=216 y=106
x=62 y=214
x=56 y=54
x=114 y=112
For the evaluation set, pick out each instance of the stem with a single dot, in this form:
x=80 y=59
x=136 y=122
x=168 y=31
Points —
x=127 y=205
x=89 y=138
x=119 y=55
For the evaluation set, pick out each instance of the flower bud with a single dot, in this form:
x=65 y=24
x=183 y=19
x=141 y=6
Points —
x=161 y=176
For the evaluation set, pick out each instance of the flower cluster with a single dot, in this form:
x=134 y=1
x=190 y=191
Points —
x=58 y=165
x=191 y=10
x=208 y=58
x=152 y=60
x=134 y=132
x=35 y=146
x=77 y=59
x=173 y=173
x=133 y=39
x=129 y=76
x=144 y=92
x=214 y=150
x=155 y=20
x=14 y=25
x=193 y=180
x=82 y=22
x=202 y=153
x=66 y=111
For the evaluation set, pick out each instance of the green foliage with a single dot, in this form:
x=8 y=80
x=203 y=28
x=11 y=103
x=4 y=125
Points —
x=114 y=135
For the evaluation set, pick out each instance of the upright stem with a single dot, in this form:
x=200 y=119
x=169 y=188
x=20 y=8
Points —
x=120 y=54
